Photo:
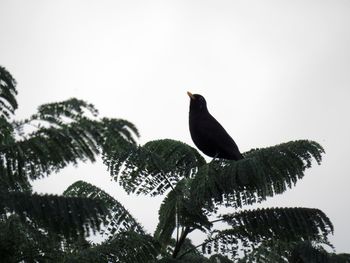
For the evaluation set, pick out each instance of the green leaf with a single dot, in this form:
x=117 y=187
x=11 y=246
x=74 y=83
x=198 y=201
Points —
x=306 y=252
x=23 y=242
x=251 y=227
x=178 y=208
x=153 y=168
x=264 y=172
x=8 y=92
x=71 y=108
x=50 y=149
x=126 y=247
x=293 y=252
x=68 y=216
x=119 y=219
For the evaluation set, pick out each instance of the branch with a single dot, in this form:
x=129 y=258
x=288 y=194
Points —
x=217 y=220
x=178 y=245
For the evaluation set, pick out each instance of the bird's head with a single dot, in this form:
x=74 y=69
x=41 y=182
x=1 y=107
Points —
x=197 y=102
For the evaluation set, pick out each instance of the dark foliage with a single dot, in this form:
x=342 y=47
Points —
x=71 y=217
x=153 y=168
x=251 y=227
x=51 y=228
x=264 y=172
x=127 y=247
x=57 y=135
x=24 y=242
x=118 y=220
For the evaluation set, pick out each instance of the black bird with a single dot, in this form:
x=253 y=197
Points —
x=208 y=134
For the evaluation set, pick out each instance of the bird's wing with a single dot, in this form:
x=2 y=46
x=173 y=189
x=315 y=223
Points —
x=219 y=136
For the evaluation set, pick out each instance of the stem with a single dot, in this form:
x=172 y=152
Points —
x=166 y=179
x=217 y=220
x=178 y=245
x=177 y=224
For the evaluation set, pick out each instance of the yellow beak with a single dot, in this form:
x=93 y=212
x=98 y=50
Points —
x=191 y=95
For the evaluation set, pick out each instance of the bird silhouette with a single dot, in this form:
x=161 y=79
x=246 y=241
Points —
x=208 y=134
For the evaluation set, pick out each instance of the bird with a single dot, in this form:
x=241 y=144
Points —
x=208 y=134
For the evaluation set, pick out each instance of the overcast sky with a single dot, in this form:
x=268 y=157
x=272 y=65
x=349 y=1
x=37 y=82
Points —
x=271 y=72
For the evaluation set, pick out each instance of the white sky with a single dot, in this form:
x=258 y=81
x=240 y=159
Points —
x=271 y=71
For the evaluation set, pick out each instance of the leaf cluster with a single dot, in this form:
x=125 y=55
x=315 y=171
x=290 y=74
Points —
x=154 y=167
x=293 y=252
x=126 y=247
x=195 y=190
x=59 y=134
x=250 y=228
x=118 y=220
x=54 y=228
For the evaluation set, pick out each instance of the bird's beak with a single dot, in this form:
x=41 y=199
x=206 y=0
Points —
x=191 y=95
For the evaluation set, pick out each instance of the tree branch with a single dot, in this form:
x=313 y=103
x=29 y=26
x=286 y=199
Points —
x=178 y=245
x=217 y=220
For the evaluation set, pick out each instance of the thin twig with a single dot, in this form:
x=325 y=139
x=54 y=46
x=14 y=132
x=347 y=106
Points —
x=217 y=220
x=177 y=224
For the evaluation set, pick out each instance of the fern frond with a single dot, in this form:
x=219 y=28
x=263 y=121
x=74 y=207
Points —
x=307 y=252
x=47 y=150
x=7 y=135
x=178 y=210
x=283 y=224
x=117 y=131
x=167 y=215
x=21 y=242
x=119 y=219
x=126 y=247
x=12 y=179
x=285 y=163
x=292 y=252
x=263 y=173
x=69 y=216
x=269 y=251
x=153 y=168
x=73 y=109
x=58 y=114
x=8 y=93
x=50 y=149
x=8 y=105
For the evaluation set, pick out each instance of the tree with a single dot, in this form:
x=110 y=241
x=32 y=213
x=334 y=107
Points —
x=39 y=227
x=195 y=189
x=49 y=228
